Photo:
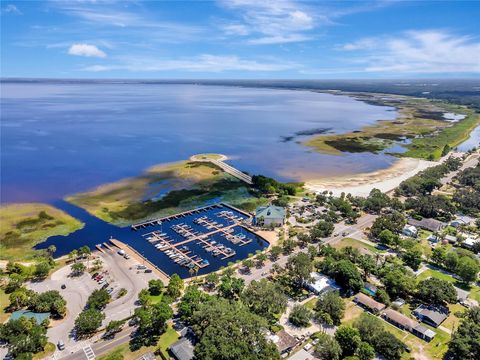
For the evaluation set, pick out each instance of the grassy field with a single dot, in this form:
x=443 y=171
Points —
x=22 y=226
x=418 y=119
x=48 y=351
x=165 y=190
x=356 y=244
x=4 y=302
x=123 y=351
x=474 y=290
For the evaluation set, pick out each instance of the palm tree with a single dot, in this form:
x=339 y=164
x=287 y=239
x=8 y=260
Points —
x=51 y=250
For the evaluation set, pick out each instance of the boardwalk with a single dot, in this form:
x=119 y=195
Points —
x=225 y=167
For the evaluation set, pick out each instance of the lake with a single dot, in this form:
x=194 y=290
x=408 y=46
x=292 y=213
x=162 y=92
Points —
x=58 y=139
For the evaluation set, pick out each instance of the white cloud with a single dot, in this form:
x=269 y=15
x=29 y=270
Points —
x=86 y=50
x=202 y=63
x=10 y=8
x=426 y=51
x=270 y=21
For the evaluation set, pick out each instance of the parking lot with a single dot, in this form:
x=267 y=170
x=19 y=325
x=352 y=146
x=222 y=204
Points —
x=117 y=273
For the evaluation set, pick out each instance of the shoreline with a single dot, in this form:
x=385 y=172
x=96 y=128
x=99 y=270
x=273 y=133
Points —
x=385 y=180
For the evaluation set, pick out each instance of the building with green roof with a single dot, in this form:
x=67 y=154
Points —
x=270 y=215
x=39 y=317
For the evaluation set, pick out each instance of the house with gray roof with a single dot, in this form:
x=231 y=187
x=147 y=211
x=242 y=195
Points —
x=431 y=315
x=427 y=224
x=270 y=215
x=183 y=349
x=405 y=323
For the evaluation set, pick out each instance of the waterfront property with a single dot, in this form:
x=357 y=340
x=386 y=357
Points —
x=270 y=215
x=193 y=239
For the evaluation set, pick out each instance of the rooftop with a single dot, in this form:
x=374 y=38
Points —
x=183 y=349
x=270 y=211
x=283 y=340
x=427 y=223
x=369 y=302
x=321 y=283
x=399 y=318
x=436 y=314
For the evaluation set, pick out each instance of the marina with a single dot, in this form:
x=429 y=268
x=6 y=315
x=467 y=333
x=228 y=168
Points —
x=192 y=238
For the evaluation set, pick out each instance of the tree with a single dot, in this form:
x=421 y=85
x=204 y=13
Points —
x=230 y=287
x=376 y=201
x=398 y=281
x=261 y=258
x=451 y=261
x=265 y=299
x=88 y=321
x=152 y=322
x=365 y=351
x=348 y=338
x=299 y=267
x=387 y=237
x=289 y=246
x=439 y=255
x=393 y=221
x=322 y=229
x=413 y=257
x=49 y=301
x=367 y=264
x=175 y=286
x=328 y=348
x=465 y=342
x=467 y=269
x=114 y=327
x=300 y=316
x=435 y=291
x=275 y=252
x=226 y=330
x=247 y=264
x=347 y=275
x=78 y=269
x=20 y=298
x=155 y=286
x=98 y=299
x=51 y=249
x=190 y=302
x=330 y=308
x=24 y=337
x=42 y=269
x=211 y=280
x=144 y=297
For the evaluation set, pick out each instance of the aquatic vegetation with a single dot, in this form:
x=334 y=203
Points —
x=22 y=226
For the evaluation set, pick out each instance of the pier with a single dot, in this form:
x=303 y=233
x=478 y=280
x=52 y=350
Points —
x=225 y=167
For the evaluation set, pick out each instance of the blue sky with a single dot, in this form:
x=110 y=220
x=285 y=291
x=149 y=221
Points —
x=240 y=39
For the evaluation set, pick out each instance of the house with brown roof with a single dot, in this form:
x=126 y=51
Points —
x=405 y=323
x=368 y=303
x=284 y=342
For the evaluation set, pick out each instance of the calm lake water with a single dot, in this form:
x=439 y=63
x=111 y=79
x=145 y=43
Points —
x=58 y=139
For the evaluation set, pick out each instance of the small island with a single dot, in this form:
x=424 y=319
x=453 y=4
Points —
x=22 y=226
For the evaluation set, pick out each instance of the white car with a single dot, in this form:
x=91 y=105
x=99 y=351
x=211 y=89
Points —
x=307 y=347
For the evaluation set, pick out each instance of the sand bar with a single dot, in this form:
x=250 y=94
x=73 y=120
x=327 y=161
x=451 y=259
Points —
x=361 y=184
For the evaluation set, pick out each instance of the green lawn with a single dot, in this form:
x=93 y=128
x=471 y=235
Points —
x=474 y=290
x=123 y=352
x=4 y=302
x=155 y=298
x=356 y=244
x=311 y=303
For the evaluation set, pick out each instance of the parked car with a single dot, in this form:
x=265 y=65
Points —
x=148 y=271
x=63 y=287
x=126 y=256
x=61 y=345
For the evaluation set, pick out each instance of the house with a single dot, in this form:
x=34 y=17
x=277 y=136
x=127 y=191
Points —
x=410 y=230
x=432 y=238
x=462 y=295
x=427 y=224
x=462 y=220
x=284 y=342
x=431 y=315
x=183 y=348
x=147 y=356
x=405 y=323
x=320 y=283
x=470 y=242
x=301 y=355
x=450 y=238
x=270 y=215
x=399 y=302
x=368 y=303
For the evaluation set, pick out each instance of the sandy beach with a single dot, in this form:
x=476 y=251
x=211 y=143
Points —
x=361 y=184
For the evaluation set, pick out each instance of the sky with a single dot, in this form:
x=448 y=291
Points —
x=240 y=39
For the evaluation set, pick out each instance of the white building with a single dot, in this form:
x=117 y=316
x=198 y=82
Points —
x=321 y=283
x=410 y=230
